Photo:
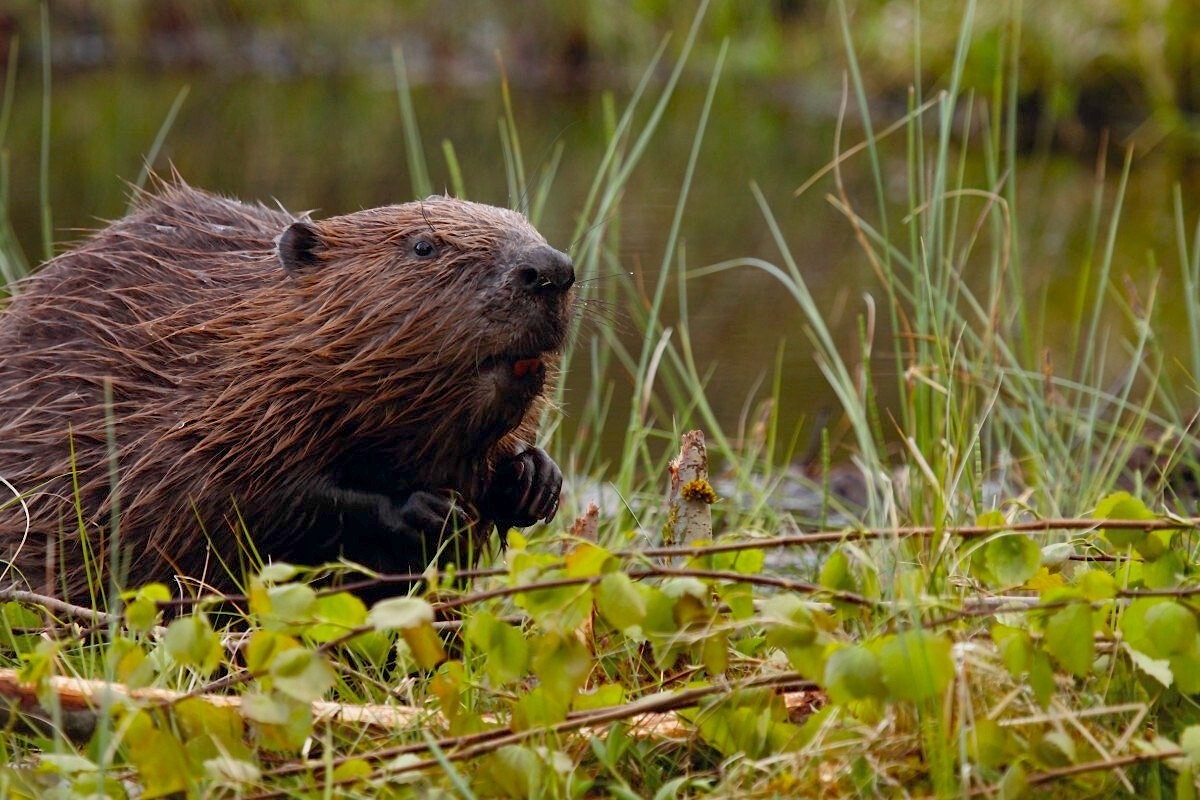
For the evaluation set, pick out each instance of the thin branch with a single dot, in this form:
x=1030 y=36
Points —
x=459 y=748
x=91 y=616
x=1050 y=775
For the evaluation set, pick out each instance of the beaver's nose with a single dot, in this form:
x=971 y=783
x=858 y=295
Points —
x=544 y=270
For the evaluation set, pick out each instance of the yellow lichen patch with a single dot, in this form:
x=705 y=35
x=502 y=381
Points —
x=699 y=490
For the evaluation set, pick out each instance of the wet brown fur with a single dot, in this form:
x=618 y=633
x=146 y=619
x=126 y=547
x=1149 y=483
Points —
x=232 y=381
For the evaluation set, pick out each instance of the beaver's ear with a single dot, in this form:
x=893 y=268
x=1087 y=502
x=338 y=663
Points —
x=298 y=247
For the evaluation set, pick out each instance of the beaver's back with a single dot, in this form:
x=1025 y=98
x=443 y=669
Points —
x=131 y=303
x=117 y=328
x=176 y=249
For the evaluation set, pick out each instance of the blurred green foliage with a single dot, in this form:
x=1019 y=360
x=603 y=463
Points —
x=1084 y=64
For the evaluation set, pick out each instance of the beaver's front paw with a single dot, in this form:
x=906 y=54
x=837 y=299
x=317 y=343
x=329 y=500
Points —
x=525 y=488
x=431 y=516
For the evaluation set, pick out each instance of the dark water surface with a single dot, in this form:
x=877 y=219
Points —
x=336 y=145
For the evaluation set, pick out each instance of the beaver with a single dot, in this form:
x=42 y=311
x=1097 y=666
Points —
x=206 y=379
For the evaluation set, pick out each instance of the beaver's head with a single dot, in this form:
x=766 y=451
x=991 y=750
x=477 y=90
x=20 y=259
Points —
x=439 y=310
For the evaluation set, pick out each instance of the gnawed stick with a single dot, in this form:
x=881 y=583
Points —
x=689 y=518
x=80 y=699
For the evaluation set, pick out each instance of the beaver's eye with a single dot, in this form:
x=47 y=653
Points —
x=424 y=248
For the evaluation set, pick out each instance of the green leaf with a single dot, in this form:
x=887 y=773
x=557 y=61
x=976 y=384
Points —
x=1160 y=628
x=302 y=674
x=916 y=665
x=789 y=621
x=1171 y=628
x=676 y=588
x=660 y=611
x=130 y=664
x=222 y=724
x=693 y=602
x=1014 y=783
x=39 y=665
x=854 y=673
x=562 y=664
x=1055 y=555
x=740 y=599
x=1189 y=743
x=604 y=696
x=747 y=722
x=354 y=768
x=159 y=758
x=262 y=648
x=991 y=519
x=515 y=771
x=1165 y=571
x=1054 y=749
x=989 y=744
x=835 y=573
x=447 y=686
x=1096 y=585
x=65 y=763
x=1185 y=667
x=84 y=785
x=1069 y=638
x=1122 y=505
x=586 y=560
x=714 y=652
x=562 y=609
x=283 y=723
x=1041 y=677
x=224 y=770
x=504 y=646
x=141 y=607
x=265 y=708
x=619 y=601
x=1185 y=785
x=1012 y=558
x=12 y=616
x=809 y=661
x=291 y=603
x=1157 y=668
x=192 y=642
x=398 y=613
x=1016 y=648
x=278 y=572
x=743 y=562
x=539 y=709
x=1133 y=624
x=141 y=615
x=337 y=614
x=425 y=644
x=1154 y=544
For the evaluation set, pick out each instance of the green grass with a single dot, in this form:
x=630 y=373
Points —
x=972 y=628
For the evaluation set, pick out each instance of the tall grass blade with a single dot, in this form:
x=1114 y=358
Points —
x=422 y=186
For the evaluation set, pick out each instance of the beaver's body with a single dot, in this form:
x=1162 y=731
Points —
x=317 y=389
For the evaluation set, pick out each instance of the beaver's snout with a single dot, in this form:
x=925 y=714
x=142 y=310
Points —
x=543 y=270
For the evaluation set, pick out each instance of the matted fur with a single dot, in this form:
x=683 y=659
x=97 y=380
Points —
x=234 y=382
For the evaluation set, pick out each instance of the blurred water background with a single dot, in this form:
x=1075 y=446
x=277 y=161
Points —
x=297 y=102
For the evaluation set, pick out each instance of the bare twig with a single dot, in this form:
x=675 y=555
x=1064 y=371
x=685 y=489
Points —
x=645 y=714
x=91 y=616
x=1051 y=775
